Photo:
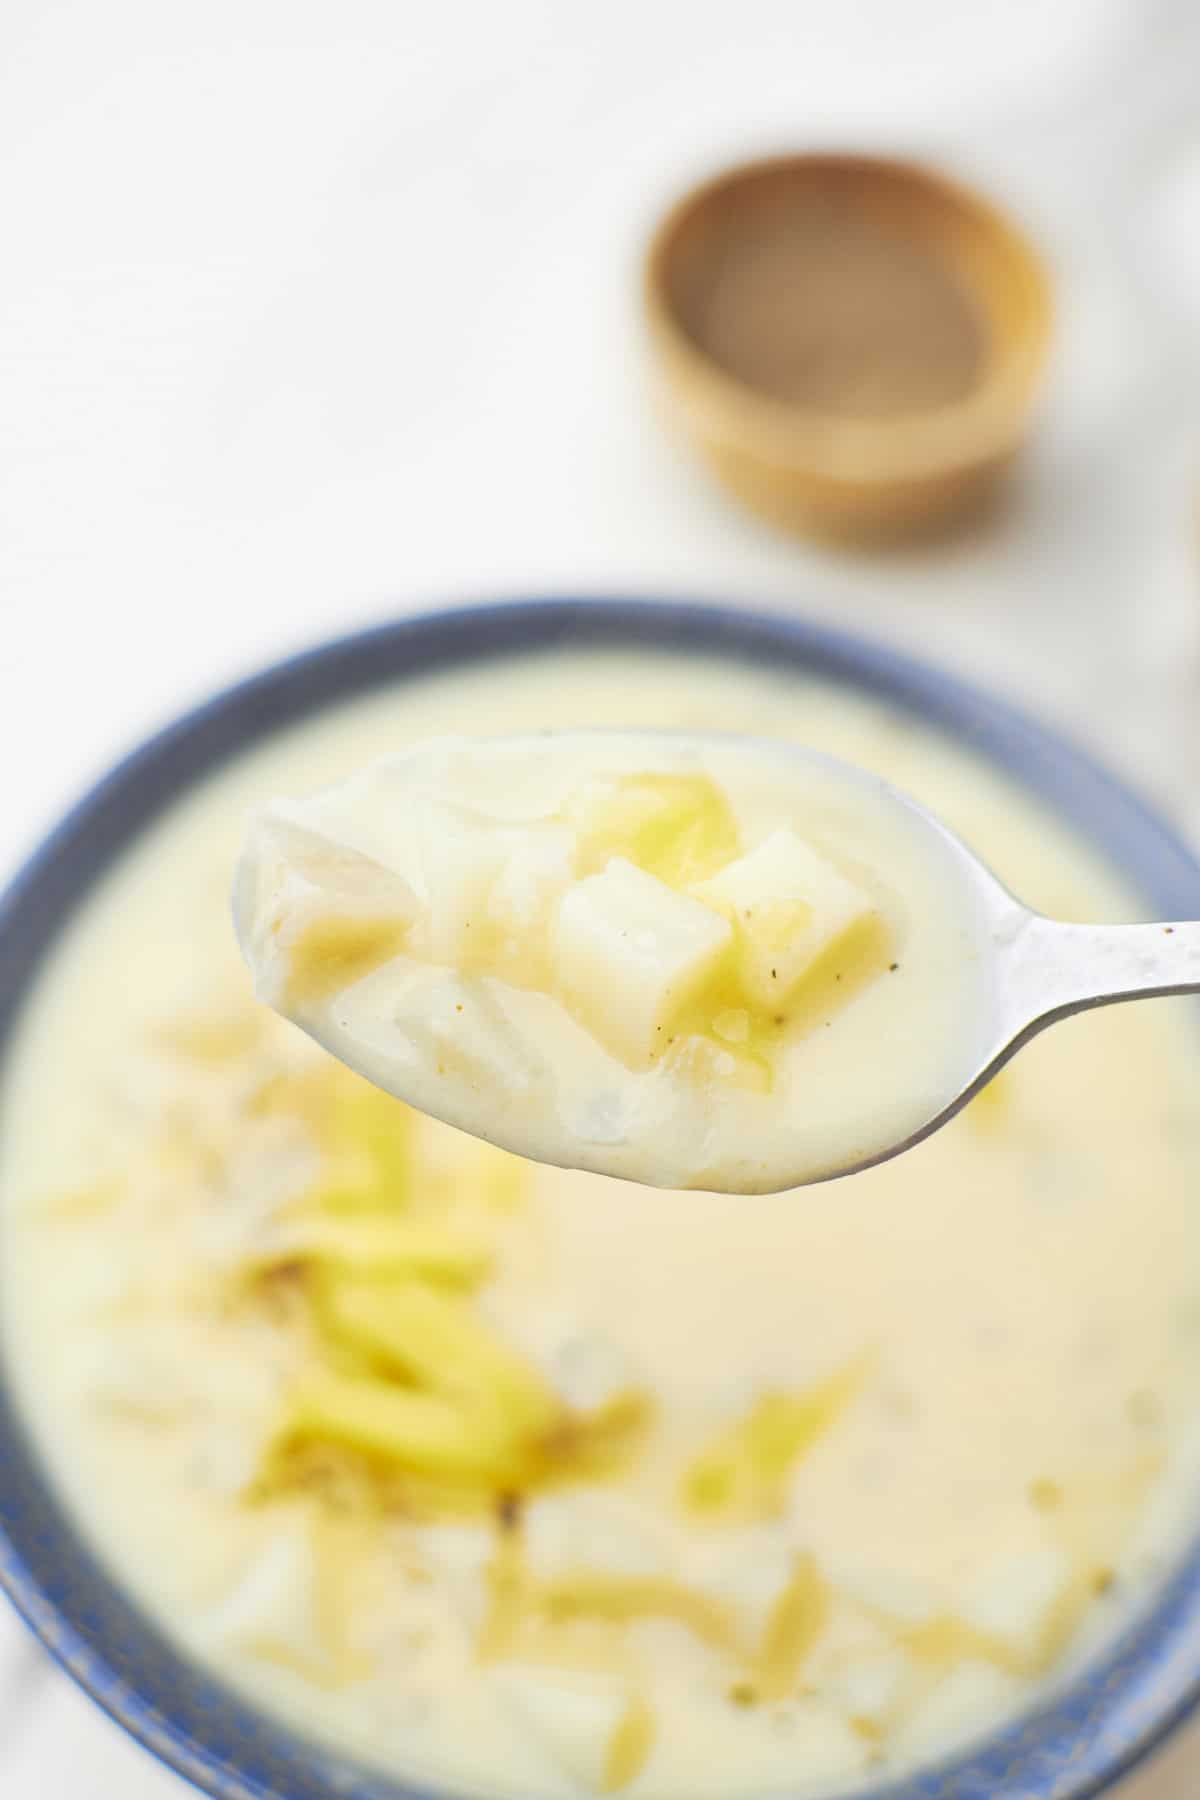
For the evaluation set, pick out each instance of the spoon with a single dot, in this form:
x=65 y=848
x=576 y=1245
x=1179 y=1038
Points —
x=687 y=960
x=1044 y=970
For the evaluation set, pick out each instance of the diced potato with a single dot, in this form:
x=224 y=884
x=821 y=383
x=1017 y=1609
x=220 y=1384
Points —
x=1016 y=1598
x=336 y=949
x=895 y=1596
x=574 y=1529
x=870 y=1684
x=749 y=1567
x=314 y=916
x=459 y=1551
x=578 y=1717
x=460 y=1028
x=790 y=908
x=140 y=1379
x=679 y=828
x=275 y=1610
x=226 y=1461
x=629 y=953
x=530 y=880
x=460 y=861
x=589 y=1369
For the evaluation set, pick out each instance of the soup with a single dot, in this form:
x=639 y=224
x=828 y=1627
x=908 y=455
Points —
x=518 y=1480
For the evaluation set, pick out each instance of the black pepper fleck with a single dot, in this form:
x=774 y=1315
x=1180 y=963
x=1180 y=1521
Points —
x=508 y=1511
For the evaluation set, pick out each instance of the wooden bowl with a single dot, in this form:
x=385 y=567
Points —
x=853 y=344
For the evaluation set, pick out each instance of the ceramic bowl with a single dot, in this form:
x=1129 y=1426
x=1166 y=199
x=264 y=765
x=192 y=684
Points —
x=845 y=454
x=1074 y=1744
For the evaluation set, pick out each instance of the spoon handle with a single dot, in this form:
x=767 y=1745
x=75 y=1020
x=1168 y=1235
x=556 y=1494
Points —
x=1054 y=969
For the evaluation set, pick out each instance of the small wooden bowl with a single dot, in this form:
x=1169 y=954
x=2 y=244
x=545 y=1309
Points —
x=853 y=344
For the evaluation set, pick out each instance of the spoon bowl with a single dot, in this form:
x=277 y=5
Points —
x=689 y=960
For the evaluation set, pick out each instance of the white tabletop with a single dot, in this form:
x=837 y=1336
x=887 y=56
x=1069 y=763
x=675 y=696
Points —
x=312 y=313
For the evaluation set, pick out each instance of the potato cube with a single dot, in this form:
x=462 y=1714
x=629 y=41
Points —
x=679 y=827
x=1016 y=1597
x=314 y=916
x=274 y=1610
x=869 y=1684
x=461 y=1028
x=599 y=1533
x=629 y=952
x=140 y=1379
x=789 y=907
x=536 y=870
x=460 y=861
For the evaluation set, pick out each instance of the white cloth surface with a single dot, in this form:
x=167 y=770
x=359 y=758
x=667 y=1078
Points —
x=312 y=313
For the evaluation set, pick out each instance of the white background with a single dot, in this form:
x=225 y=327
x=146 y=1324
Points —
x=312 y=312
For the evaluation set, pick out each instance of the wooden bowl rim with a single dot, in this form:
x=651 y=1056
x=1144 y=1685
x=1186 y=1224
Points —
x=985 y=423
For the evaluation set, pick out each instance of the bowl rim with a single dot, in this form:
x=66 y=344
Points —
x=986 y=422
x=1087 y=1731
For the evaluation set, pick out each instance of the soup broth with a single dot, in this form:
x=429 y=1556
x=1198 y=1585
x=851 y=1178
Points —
x=520 y=1480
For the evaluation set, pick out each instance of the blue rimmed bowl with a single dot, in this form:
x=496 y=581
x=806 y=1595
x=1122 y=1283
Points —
x=1087 y=1733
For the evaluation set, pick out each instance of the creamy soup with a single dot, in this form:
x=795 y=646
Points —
x=522 y=1480
x=695 y=961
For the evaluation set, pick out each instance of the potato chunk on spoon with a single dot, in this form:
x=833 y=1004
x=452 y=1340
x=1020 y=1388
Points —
x=687 y=960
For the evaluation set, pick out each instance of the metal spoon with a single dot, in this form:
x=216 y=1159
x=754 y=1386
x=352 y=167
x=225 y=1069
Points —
x=1046 y=970
x=464 y=1045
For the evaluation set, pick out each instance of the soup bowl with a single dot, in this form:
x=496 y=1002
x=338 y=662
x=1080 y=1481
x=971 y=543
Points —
x=1087 y=1731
